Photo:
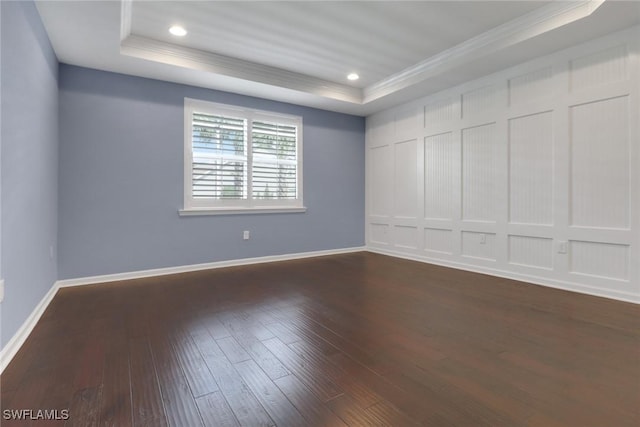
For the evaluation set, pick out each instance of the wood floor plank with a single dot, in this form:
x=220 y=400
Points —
x=272 y=399
x=260 y=354
x=215 y=410
x=284 y=334
x=422 y=401
x=389 y=415
x=312 y=409
x=352 y=413
x=146 y=400
x=305 y=371
x=237 y=321
x=360 y=393
x=25 y=395
x=21 y=363
x=84 y=407
x=242 y=401
x=234 y=351
x=195 y=369
x=43 y=359
x=88 y=384
x=179 y=403
x=216 y=328
x=345 y=345
x=116 y=398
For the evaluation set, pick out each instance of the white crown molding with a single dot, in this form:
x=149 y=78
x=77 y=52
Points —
x=523 y=28
x=126 y=15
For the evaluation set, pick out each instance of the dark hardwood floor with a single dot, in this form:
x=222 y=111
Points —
x=349 y=340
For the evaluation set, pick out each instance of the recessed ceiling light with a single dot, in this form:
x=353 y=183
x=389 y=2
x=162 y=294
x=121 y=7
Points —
x=353 y=76
x=177 y=30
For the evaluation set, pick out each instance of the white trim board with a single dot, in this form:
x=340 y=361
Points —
x=198 y=267
x=530 y=279
x=11 y=349
x=13 y=346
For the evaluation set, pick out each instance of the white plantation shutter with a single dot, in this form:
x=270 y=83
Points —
x=274 y=161
x=241 y=159
x=220 y=161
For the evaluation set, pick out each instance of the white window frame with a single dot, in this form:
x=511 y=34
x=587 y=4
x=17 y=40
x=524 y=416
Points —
x=205 y=206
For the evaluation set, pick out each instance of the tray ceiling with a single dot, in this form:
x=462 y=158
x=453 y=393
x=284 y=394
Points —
x=301 y=52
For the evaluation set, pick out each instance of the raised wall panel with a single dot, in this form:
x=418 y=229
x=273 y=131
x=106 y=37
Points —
x=437 y=240
x=406 y=123
x=405 y=237
x=380 y=180
x=600 y=68
x=479 y=173
x=600 y=259
x=379 y=128
x=600 y=164
x=530 y=86
x=479 y=245
x=379 y=233
x=531 y=251
x=479 y=101
x=406 y=179
x=531 y=169
x=442 y=110
x=441 y=166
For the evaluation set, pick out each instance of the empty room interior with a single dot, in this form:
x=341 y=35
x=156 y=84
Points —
x=319 y=213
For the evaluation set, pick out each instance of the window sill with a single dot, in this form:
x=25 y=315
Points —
x=238 y=211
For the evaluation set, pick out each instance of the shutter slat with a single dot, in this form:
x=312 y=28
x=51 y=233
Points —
x=274 y=140
x=275 y=161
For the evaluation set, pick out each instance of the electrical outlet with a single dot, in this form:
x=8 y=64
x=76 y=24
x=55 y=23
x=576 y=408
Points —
x=1 y=290
x=562 y=247
x=245 y=234
x=483 y=239
x=51 y=252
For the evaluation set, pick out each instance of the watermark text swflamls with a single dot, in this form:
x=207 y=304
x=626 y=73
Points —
x=35 y=414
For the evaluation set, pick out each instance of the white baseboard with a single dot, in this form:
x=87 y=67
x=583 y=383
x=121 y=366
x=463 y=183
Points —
x=550 y=283
x=18 y=339
x=197 y=267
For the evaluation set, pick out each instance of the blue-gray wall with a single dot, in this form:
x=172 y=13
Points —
x=29 y=162
x=121 y=180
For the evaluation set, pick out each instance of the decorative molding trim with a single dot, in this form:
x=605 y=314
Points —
x=198 y=267
x=11 y=349
x=239 y=211
x=126 y=14
x=528 y=26
x=541 y=281
x=168 y=53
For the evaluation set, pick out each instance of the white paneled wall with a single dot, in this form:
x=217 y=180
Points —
x=531 y=173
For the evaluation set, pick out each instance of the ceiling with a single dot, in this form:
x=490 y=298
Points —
x=302 y=51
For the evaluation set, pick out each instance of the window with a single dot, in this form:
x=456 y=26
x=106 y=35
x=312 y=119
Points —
x=241 y=161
